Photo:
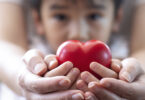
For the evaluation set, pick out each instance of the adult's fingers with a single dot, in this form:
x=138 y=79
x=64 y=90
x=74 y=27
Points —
x=116 y=65
x=131 y=69
x=101 y=93
x=120 y=88
x=51 y=61
x=62 y=95
x=88 y=77
x=90 y=96
x=60 y=70
x=38 y=84
x=34 y=62
x=102 y=70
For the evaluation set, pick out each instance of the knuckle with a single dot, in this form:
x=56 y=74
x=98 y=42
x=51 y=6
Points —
x=34 y=60
x=30 y=54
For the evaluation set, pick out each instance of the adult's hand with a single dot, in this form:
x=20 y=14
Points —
x=35 y=87
x=131 y=71
x=133 y=90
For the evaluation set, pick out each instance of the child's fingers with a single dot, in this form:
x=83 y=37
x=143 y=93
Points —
x=81 y=85
x=116 y=65
x=131 y=68
x=51 y=61
x=73 y=74
x=102 y=70
x=74 y=85
x=34 y=62
x=60 y=70
x=88 y=77
x=90 y=96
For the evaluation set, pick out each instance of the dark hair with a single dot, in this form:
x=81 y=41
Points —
x=36 y=4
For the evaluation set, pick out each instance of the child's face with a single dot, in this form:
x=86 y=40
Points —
x=82 y=20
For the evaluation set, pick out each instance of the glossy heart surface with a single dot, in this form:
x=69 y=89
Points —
x=82 y=54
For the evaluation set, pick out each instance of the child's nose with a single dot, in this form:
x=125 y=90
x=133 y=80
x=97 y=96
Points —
x=79 y=31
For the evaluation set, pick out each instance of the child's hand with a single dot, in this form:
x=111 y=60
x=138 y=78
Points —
x=35 y=86
x=87 y=78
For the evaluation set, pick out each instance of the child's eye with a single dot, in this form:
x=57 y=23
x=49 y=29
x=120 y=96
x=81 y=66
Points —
x=94 y=16
x=61 y=17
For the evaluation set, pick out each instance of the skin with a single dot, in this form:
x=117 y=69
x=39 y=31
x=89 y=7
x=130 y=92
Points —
x=12 y=52
x=128 y=76
x=31 y=85
x=10 y=45
x=133 y=90
x=69 y=21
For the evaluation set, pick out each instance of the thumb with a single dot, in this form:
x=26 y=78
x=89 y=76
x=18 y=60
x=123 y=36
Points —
x=33 y=59
x=131 y=68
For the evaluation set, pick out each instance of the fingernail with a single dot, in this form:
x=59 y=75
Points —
x=85 y=75
x=75 y=71
x=64 y=82
x=105 y=84
x=78 y=96
x=69 y=64
x=126 y=76
x=90 y=98
x=118 y=66
x=38 y=68
x=52 y=63
x=80 y=85
x=91 y=85
x=93 y=64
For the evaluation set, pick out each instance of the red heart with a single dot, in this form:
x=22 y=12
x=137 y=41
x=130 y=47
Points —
x=82 y=54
